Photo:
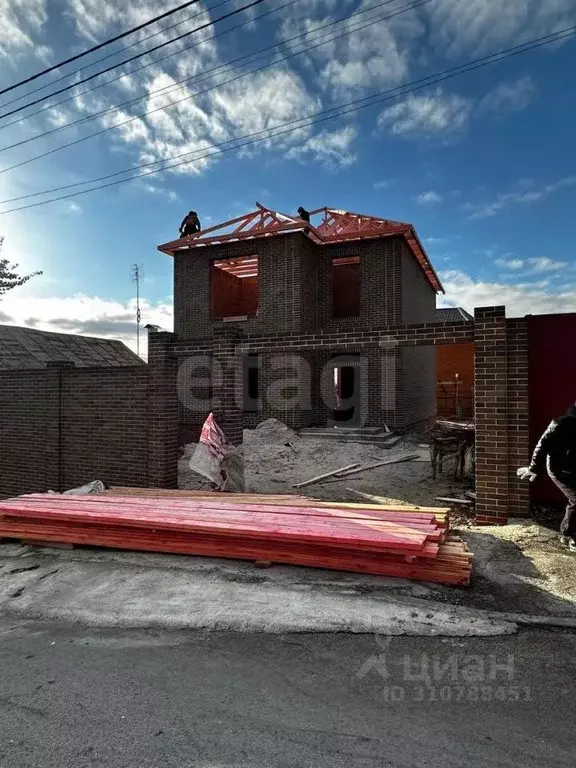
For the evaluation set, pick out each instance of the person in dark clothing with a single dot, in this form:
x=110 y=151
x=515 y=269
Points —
x=556 y=452
x=303 y=213
x=190 y=224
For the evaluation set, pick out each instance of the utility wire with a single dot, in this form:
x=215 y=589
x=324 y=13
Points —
x=144 y=66
x=132 y=58
x=324 y=115
x=110 y=55
x=347 y=32
x=97 y=47
x=158 y=90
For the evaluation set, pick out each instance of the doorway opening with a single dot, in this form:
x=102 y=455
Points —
x=347 y=391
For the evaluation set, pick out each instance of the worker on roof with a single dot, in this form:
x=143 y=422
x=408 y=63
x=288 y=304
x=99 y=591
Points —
x=303 y=213
x=556 y=451
x=190 y=224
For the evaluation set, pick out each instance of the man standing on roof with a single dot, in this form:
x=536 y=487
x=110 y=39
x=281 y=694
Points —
x=190 y=224
x=556 y=451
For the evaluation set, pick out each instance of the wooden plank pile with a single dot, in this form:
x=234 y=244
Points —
x=408 y=542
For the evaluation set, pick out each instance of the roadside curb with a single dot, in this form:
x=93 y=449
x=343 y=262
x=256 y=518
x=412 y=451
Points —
x=526 y=620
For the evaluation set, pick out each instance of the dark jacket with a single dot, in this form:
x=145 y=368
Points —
x=557 y=446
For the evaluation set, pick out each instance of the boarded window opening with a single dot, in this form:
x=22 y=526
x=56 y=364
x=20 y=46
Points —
x=346 y=286
x=251 y=384
x=234 y=288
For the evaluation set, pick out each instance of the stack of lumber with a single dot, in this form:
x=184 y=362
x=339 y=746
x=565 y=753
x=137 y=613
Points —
x=408 y=542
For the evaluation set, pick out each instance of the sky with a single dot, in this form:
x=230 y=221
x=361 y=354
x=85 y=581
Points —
x=483 y=164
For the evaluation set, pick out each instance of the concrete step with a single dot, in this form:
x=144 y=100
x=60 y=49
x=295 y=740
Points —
x=373 y=435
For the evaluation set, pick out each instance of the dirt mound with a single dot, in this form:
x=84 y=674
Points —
x=269 y=432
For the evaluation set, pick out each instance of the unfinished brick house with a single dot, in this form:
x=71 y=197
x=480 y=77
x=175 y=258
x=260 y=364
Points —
x=342 y=274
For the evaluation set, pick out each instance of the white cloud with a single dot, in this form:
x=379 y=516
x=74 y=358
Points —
x=544 y=264
x=331 y=148
x=382 y=184
x=510 y=263
x=479 y=26
x=375 y=52
x=86 y=315
x=429 y=198
x=22 y=22
x=153 y=189
x=509 y=96
x=429 y=114
x=519 y=299
x=522 y=195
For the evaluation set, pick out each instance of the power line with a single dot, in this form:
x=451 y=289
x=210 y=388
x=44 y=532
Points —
x=164 y=108
x=97 y=47
x=132 y=58
x=341 y=110
x=158 y=90
x=18 y=120
x=144 y=66
x=110 y=55
x=357 y=104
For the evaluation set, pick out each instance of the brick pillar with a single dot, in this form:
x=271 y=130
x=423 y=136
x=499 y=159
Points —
x=518 y=415
x=54 y=414
x=163 y=412
x=227 y=382
x=491 y=409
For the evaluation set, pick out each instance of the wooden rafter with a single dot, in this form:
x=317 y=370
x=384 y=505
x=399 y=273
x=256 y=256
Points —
x=335 y=226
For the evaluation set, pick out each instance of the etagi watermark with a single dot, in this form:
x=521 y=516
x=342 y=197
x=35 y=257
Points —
x=285 y=381
x=443 y=678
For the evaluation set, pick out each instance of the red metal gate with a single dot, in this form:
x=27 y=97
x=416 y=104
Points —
x=552 y=380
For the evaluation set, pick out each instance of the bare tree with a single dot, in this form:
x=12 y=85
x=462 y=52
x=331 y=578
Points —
x=9 y=277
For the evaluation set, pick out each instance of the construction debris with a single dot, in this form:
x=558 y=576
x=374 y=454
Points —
x=395 y=460
x=318 y=478
x=447 y=500
x=374 y=539
x=273 y=467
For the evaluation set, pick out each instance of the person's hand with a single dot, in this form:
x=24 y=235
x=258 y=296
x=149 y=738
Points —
x=525 y=473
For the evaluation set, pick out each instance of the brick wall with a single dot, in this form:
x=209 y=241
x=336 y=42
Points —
x=417 y=388
x=287 y=281
x=295 y=285
x=23 y=422
x=104 y=426
x=491 y=412
x=418 y=296
x=61 y=427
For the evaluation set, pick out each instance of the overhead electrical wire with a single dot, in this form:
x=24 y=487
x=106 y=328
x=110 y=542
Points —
x=324 y=116
x=150 y=64
x=133 y=58
x=97 y=47
x=306 y=49
x=138 y=69
x=111 y=55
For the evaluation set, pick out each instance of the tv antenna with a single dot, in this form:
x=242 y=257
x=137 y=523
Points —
x=136 y=276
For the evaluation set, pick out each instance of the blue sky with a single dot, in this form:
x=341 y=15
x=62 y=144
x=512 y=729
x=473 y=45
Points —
x=483 y=164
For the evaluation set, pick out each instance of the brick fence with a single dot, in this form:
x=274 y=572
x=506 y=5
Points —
x=61 y=426
x=501 y=386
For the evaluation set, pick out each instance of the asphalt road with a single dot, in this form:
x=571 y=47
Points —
x=79 y=697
